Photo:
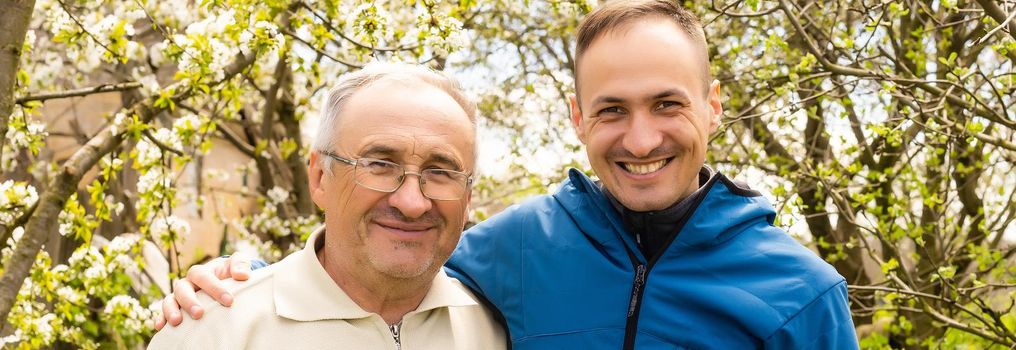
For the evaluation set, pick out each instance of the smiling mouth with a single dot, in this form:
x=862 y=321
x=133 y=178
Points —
x=644 y=168
x=408 y=228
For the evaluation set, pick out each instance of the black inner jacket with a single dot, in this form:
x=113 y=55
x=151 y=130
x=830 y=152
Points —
x=653 y=229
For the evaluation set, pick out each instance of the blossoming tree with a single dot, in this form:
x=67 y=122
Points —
x=188 y=73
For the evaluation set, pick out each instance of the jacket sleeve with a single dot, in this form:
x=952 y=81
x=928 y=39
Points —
x=824 y=324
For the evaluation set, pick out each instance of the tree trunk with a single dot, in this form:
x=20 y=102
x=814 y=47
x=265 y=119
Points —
x=15 y=18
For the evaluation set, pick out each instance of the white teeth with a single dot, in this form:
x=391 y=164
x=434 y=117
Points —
x=640 y=169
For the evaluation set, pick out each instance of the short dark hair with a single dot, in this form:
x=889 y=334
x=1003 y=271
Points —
x=618 y=13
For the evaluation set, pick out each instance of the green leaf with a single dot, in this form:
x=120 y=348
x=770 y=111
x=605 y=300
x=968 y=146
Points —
x=890 y=265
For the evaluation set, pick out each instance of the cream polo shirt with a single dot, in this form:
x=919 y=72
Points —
x=294 y=304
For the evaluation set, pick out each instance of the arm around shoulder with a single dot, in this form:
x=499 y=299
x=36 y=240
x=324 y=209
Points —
x=825 y=323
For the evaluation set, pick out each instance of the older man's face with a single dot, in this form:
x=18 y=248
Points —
x=401 y=234
x=645 y=114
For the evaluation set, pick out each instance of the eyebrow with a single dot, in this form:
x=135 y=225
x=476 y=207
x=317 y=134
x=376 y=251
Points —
x=388 y=151
x=445 y=159
x=379 y=150
x=677 y=93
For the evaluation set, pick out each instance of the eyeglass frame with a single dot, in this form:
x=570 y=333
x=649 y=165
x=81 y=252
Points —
x=405 y=172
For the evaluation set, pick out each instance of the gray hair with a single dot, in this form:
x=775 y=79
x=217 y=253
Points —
x=372 y=73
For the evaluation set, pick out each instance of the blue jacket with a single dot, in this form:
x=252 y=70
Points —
x=565 y=275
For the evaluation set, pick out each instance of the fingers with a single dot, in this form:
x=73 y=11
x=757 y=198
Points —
x=205 y=278
x=160 y=317
x=185 y=295
x=170 y=313
x=239 y=267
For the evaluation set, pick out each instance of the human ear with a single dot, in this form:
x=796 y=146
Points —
x=576 y=117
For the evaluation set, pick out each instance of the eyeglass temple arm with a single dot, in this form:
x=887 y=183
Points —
x=333 y=156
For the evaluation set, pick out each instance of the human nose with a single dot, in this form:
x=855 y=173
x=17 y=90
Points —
x=409 y=198
x=642 y=136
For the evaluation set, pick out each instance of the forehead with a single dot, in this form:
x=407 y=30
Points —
x=409 y=121
x=642 y=57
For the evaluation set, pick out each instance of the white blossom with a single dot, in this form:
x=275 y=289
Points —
x=11 y=339
x=85 y=255
x=121 y=244
x=33 y=131
x=95 y=273
x=148 y=153
x=149 y=83
x=186 y=129
x=443 y=33
x=15 y=198
x=119 y=248
x=212 y=25
x=42 y=328
x=17 y=233
x=129 y=311
x=66 y=221
x=371 y=23
x=278 y=195
x=166 y=227
x=59 y=269
x=168 y=137
x=118 y=124
x=70 y=295
x=152 y=179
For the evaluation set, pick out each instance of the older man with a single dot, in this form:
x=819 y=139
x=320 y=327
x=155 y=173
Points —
x=393 y=177
x=661 y=252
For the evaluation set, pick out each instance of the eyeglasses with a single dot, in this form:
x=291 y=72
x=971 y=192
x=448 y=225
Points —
x=385 y=176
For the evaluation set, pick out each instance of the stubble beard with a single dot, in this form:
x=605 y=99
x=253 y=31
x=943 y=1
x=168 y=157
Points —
x=414 y=269
x=401 y=271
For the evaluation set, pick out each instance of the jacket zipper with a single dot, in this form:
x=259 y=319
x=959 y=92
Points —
x=638 y=290
x=634 y=307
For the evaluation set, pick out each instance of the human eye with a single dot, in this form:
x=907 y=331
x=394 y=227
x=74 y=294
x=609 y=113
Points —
x=611 y=110
x=438 y=175
x=611 y=113
x=379 y=167
x=663 y=105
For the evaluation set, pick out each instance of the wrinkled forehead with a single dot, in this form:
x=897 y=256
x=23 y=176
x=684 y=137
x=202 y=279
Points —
x=409 y=122
x=418 y=148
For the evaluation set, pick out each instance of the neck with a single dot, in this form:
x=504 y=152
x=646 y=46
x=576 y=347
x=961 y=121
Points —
x=390 y=297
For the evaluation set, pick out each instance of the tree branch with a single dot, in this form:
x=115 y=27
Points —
x=235 y=140
x=863 y=73
x=995 y=12
x=80 y=92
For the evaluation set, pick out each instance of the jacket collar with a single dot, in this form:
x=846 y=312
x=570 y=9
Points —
x=713 y=220
x=303 y=291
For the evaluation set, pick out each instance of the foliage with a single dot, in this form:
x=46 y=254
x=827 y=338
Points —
x=887 y=129
x=882 y=130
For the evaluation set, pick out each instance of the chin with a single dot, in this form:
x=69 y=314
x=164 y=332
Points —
x=407 y=270
x=402 y=265
x=646 y=200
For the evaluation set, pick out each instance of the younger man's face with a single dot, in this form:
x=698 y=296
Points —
x=644 y=112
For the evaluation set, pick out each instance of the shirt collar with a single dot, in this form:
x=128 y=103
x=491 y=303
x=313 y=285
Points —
x=305 y=292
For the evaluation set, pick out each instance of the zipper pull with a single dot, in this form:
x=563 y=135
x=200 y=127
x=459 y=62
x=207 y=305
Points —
x=640 y=280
